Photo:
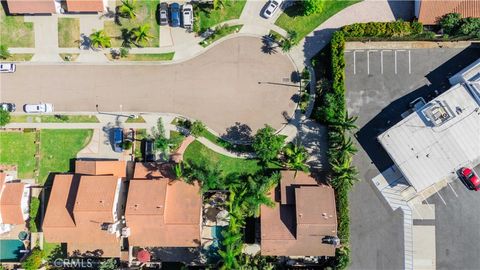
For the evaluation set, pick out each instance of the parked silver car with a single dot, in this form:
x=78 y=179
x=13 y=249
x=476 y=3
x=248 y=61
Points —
x=7 y=68
x=187 y=16
x=38 y=108
x=272 y=7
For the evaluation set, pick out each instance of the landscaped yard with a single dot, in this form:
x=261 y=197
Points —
x=145 y=11
x=225 y=144
x=209 y=17
x=19 y=57
x=68 y=32
x=18 y=148
x=146 y=57
x=198 y=153
x=225 y=31
x=293 y=20
x=15 y=32
x=58 y=147
x=25 y=118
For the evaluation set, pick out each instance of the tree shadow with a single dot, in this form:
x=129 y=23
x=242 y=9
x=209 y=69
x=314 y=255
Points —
x=402 y=9
x=238 y=132
x=391 y=114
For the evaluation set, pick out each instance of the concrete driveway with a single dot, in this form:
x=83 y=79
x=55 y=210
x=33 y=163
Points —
x=234 y=82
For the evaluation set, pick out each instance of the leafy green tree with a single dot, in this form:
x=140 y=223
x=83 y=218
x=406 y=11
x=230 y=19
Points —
x=295 y=157
x=99 y=39
x=4 y=117
x=450 y=23
x=312 y=6
x=110 y=264
x=34 y=259
x=266 y=144
x=4 y=52
x=141 y=34
x=197 y=128
x=257 y=262
x=470 y=26
x=128 y=9
x=210 y=177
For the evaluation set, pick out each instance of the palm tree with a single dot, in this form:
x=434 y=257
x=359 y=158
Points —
x=289 y=42
x=347 y=124
x=99 y=39
x=127 y=9
x=344 y=172
x=4 y=52
x=295 y=157
x=210 y=177
x=141 y=34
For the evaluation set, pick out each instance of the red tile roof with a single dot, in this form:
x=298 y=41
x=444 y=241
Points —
x=432 y=10
x=84 y=5
x=31 y=6
x=163 y=213
x=297 y=227
x=101 y=167
x=10 y=203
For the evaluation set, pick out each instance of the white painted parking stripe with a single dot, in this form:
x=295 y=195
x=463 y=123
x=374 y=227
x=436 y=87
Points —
x=395 y=62
x=439 y=195
x=454 y=192
x=409 y=63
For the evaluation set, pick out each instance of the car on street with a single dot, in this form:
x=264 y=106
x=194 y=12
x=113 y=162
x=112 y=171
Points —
x=271 y=8
x=187 y=15
x=175 y=14
x=7 y=67
x=470 y=178
x=163 y=13
x=38 y=108
x=148 y=150
x=9 y=107
x=117 y=140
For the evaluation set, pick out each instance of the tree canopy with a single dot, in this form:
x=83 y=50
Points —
x=266 y=144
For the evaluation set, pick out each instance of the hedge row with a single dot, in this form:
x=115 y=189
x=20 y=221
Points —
x=383 y=29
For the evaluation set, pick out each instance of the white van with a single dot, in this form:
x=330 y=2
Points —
x=187 y=16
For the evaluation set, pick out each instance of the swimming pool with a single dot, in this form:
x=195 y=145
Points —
x=217 y=235
x=10 y=250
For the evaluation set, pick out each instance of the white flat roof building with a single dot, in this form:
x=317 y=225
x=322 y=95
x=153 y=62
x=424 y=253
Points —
x=431 y=144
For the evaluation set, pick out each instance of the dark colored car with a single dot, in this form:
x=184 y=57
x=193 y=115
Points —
x=148 y=151
x=175 y=14
x=9 y=107
x=117 y=140
x=470 y=178
x=163 y=13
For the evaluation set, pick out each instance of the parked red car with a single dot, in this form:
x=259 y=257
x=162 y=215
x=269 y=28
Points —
x=471 y=179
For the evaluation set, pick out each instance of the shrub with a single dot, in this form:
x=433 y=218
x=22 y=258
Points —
x=312 y=6
x=34 y=206
x=197 y=128
x=62 y=117
x=4 y=117
x=266 y=144
x=124 y=51
x=383 y=29
x=34 y=259
x=450 y=23
x=127 y=145
x=4 y=52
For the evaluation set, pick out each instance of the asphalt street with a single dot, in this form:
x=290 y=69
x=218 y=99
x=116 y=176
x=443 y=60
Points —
x=234 y=82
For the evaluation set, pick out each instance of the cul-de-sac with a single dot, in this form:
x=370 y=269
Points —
x=240 y=134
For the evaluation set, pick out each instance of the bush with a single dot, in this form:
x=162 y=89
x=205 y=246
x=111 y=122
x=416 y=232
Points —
x=450 y=23
x=312 y=6
x=124 y=51
x=197 y=128
x=34 y=259
x=453 y=25
x=127 y=145
x=266 y=144
x=4 y=117
x=383 y=29
x=4 y=52
x=34 y=206
x=62 y=117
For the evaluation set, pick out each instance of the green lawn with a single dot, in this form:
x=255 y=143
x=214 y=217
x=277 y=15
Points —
x=291 y=19
x=26 y=118
x=139 y=119
x=209 y=17
x=18 y=148
x=58 y=146
x=176 y=137
x=225 y=144
x=146 y=57
x=68 y=32
x=225 y=32
x=15 y=32
x=145 y=14
x=198 y=153
x=19 y=57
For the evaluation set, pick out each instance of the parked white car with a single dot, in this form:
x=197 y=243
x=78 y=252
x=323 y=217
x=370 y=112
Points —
x=187 y=16
x=272 y=7
x=38 y=108
x=7 y=68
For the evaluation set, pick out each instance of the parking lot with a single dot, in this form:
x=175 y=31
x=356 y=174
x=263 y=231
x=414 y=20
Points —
x=380 y=85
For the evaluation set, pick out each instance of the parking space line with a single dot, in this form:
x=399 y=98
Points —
x=395 y=62
x=439 y=195
x=381 y=59
x=368 y=60
x=454 y=192
x=409 y=63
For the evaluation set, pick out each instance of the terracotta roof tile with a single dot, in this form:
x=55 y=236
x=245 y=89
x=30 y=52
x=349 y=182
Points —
x=31 y=6
x=432 y=10
x=10 y=203
x=298 y=227
x=101 y=167
x=84 y=5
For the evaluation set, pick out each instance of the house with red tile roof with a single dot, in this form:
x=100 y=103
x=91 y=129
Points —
x=303 y=215
x=429 y=12
x=161 y=211
x=52 y=6
x=14 y=203
x=84 y=211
